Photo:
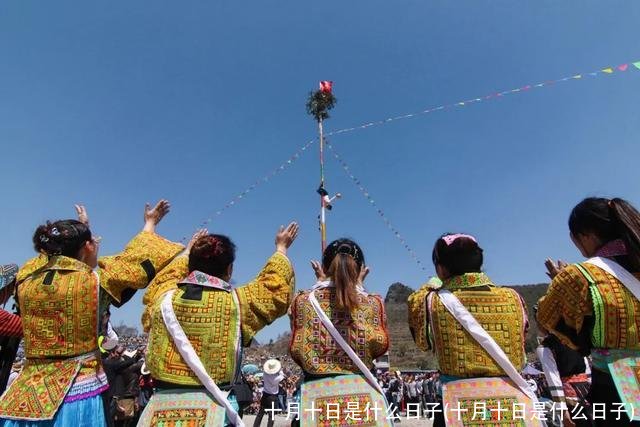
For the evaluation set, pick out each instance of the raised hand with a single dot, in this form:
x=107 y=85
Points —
x=318 y=271
x=197 y=235
x=553 y=267
x=152 y=216
x=83 y=217
x=286 y=236
x=364 y=271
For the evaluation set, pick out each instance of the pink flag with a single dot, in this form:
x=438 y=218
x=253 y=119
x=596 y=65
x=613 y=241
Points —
x=325 y=86
x=623 y=67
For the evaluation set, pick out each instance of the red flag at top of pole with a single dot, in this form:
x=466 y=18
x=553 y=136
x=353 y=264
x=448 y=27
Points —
x=325 y=86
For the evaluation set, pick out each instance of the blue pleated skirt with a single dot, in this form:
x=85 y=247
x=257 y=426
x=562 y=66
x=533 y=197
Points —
x=81 y=413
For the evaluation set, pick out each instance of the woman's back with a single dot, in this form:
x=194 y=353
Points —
x=364 y=329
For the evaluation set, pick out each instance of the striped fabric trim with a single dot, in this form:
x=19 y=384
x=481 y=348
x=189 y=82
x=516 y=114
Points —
x=10 y=324
x=598 y=334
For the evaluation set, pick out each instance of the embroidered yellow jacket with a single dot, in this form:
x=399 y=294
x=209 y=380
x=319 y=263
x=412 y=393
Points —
x=60 y=299
x=313 y=348
x=210 y=321
x=500 y=311
x=587 y=307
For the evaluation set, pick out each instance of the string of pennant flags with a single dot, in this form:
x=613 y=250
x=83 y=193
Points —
x=609 y=70
x=266 y=178
x=495 y=95
x=367 y=195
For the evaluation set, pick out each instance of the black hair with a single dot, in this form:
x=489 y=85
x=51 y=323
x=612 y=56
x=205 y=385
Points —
x=342 y=246
x=212 y=254
x=609 y=219
x=64 y=237
x=342 y=261
x=462 y=256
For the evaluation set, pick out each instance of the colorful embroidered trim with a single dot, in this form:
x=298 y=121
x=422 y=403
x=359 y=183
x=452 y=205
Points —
x=466 y=280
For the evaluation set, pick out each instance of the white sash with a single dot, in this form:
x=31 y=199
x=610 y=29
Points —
x=619 y=272
x=550 y=368
x=471 y=325
x=191 y=358
x=341 y=342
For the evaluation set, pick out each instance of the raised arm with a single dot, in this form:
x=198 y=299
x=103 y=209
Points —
x=268 y=296
x=145 y=255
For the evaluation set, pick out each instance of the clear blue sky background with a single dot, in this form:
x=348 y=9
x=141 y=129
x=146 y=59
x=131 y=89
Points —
x=113 y=104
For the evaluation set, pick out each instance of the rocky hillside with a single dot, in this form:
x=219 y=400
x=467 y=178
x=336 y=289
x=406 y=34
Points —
x=403 y=353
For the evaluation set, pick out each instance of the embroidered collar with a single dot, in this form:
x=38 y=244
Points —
x=612 y=249
x=329 y=284
x=61 y=262
x=467 y=280
x=202 y=279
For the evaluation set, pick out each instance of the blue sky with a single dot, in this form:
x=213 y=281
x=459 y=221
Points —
x=113 y=104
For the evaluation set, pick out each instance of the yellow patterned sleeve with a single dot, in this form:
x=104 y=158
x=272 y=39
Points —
x=267 y=297
x=166 y=280
x=31 y=266
x=419 y=317
x=137 y=265
x=562 y=310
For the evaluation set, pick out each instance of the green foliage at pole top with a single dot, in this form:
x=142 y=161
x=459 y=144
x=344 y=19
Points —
x=319 y=104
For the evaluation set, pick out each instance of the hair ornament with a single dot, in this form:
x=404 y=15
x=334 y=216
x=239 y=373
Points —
x=450 y=238
x=54 y=231
x=347 y=248
x=44 y=238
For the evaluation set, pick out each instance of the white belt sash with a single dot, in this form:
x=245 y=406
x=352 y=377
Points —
x=550 y=368
x=191 y=358
x=471 y=325
x=619 y=272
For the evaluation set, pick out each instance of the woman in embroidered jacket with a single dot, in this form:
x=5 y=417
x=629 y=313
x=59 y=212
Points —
x=458 y=262
x=360 y=319
x=192 y=296
x=590 y=309
x=61 y=294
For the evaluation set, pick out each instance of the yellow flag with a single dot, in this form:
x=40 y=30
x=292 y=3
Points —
x=608 y=70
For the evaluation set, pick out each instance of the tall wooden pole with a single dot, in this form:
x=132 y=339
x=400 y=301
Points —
x=323 y=223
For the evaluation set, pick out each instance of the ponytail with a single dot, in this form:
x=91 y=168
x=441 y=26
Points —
x=342 y=261
x=626 y=222
x=344 y=272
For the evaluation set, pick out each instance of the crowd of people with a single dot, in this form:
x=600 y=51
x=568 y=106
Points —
x=185 y=369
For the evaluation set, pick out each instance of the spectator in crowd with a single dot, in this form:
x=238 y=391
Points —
x=424 y=396
x=272 y=378
x=395 y=394
x=121 y=373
